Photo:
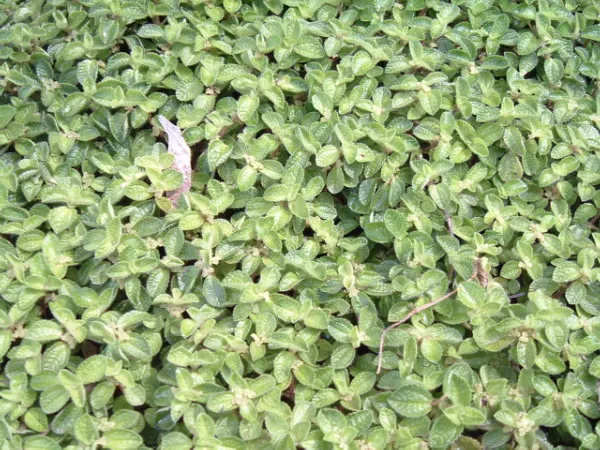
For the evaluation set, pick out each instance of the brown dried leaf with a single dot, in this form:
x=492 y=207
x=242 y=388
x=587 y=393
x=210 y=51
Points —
x=183 y=157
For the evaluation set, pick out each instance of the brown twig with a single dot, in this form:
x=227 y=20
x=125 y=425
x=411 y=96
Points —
x=449 y=222
x=480 y=273
x=593 y=221
x=417 y=310
x=290 y=392
x=225 y=130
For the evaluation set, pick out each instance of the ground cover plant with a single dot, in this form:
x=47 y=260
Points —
x=211 y=211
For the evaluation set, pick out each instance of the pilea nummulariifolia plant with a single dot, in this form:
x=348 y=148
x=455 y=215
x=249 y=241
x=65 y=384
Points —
x=315 y=224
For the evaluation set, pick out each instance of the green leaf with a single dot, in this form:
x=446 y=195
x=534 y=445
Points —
x=62 y=218
x=554 y=70
x=214 y=294
x=218 y=153
x=52 y=400
x=592 y=32
x=85 y=429
x=176 y=441
x=121 y=439
x=310 y=48
x=465 y=416
x=92 y=369
x=430 y=101
x=247 y=106
x=323 y=103
x=458 y=390
x=74 y=386
x=7 y=112
x=342 y=356
x=36 y=420
x=188 y=90
x=44 y=331
x=40 y=443
x=411 y=400
x=443 y=432
x=526 y=353
x=566 y=271
x=514 y=140
x=527 y=43
x=471 y=294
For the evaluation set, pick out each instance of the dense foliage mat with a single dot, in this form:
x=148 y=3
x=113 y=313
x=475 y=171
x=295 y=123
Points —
x=352 y=160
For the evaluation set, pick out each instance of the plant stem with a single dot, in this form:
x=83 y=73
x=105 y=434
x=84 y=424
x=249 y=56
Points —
x=449 y=222
x=417 y=310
